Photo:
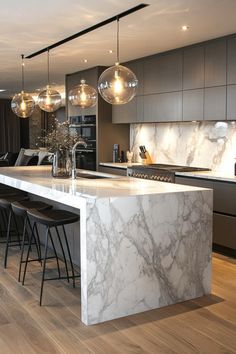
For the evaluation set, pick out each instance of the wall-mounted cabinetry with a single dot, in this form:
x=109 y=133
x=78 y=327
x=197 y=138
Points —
x=192 y=83
x=107 y=133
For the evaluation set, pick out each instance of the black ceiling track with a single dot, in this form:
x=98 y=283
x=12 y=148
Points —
x=89 y=29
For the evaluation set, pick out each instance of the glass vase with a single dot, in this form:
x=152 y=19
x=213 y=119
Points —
x=61 y=166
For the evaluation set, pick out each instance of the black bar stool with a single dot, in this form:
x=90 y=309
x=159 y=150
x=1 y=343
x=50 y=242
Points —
x=52 y=219
x=5 y=206
x=20 y=208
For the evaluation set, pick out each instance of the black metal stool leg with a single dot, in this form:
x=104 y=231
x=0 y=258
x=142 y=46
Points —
x=44 y=265
x=54 y=249
x=63 y=253
x=8 y=238
x=39 y=244
x=69 y=254
x=27 y=256
x=17 y=232
x=22 y=247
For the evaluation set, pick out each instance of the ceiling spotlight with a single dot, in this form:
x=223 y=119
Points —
x=85 y=60
x=185 y=28
x=110 y=51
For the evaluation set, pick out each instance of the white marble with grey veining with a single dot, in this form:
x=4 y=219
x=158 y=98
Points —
x=199 y=144
x=142 y=244
x=145 y=252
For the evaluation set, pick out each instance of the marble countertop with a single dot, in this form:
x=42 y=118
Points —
x=214 y=175
x=39 y=177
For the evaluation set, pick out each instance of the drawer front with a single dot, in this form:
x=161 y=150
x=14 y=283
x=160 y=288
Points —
x=225 y=197
x=224 y=230
x=196 y=182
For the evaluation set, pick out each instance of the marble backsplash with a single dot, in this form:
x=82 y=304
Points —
x=199 y=144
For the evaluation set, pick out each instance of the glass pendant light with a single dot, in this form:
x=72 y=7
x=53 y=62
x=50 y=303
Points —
x=117 y=84
x=83 y=95
x=49 y=100
x=23 y=103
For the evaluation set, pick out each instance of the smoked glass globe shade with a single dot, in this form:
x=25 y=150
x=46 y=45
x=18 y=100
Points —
x=83 y=95
x=23 y=104
x=117 y=84
x=49 y=100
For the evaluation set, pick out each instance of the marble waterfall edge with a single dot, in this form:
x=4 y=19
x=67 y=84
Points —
x=145 y=252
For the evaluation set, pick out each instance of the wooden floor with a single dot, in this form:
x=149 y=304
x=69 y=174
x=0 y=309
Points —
x=205 y=325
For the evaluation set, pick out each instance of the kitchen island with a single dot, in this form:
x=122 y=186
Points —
x=142 y=244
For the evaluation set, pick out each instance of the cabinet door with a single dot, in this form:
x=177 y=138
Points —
x=163 y=73
x=231 y=102
x=224 y=230
x=137 y=67
x=231 y=63
x=193 y=69
x=193 y=105
x=163 y=107
x=224 y=197
x=125 y=113
x=215 y=103
x=197 y=182
x=215 y=63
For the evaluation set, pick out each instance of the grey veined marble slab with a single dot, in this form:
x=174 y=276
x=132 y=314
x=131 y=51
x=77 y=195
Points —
x=145 y=252
x=140 y=244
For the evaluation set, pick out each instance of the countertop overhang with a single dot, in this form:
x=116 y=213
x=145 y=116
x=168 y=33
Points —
x=40 y=178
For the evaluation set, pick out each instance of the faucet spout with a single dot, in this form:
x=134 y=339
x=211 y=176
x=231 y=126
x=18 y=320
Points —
x=81 y=141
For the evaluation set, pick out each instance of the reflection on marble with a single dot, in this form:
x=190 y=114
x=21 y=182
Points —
x=145 y=252
x=200 y=144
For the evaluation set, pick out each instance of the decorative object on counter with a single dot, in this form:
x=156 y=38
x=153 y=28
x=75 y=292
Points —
x=115 y=153
x=23 y=103
x=49 y=100
x=117 y=84
x=122 y=156
x=129 y=155
x=83 y=95
x=142 y=154
x=60 y=141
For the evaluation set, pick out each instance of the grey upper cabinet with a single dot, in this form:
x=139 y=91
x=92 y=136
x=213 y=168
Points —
x=163 y=73
x=193 y=68
x=193 y=104
x=137 y=67
x=125 y=113
x=231 y=102
x=215 y=103
x=162 y=107
x=215 y=63
x=231 y=63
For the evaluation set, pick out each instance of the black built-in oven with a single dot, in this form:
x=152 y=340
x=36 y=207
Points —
x=85 y=127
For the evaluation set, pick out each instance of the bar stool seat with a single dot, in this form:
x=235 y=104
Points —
x=6 y=200
x=20 y=208
x=53 y=218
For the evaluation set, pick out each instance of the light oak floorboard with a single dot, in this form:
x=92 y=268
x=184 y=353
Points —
x=204 y=325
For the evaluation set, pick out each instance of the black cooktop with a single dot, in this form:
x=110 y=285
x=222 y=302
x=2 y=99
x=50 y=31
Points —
x=174 y=168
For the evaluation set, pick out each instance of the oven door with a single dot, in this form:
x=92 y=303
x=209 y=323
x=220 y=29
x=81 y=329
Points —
x=86 y=159
x=88 y=132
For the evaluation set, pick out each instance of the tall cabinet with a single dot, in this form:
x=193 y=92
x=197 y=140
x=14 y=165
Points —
x=107 y=133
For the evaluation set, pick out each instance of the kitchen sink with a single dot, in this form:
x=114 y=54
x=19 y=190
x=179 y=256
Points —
x=90 y=176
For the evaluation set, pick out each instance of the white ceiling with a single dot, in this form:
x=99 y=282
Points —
x=29 y=25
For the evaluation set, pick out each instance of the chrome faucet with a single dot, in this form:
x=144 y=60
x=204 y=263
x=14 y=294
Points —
x=81 y=141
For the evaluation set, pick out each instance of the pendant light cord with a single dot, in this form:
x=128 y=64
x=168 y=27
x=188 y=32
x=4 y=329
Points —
x=48 y=68
x=22 y=72
x=117 y=40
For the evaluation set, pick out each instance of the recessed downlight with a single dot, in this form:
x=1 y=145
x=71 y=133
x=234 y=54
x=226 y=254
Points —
x=85 y=60
x=110 y=51
x=185 y=28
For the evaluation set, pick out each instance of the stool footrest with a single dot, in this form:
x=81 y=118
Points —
x=38 y=259
x=69 y=277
